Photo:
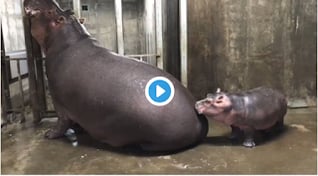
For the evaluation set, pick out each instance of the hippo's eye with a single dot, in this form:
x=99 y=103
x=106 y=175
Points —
x=209 y=100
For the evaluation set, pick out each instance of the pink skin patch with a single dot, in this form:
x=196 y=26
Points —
x=200 y=109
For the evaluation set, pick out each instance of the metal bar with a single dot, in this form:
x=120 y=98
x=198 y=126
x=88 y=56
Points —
x=4 y=109
x=23 y=76
x=183 y=42
x=14 y=59
x=77 y=8
x=158 y=4
x=119 y=24
x=5 y=76
x=48 y=114
x=21 y=91
x=142 y=55
x=149 y=23
x=40 y=81
x=32 y=71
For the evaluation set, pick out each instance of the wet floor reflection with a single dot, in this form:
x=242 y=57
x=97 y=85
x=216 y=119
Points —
x=294 y=151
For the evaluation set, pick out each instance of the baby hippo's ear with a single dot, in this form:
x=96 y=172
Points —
x=222 y=101
x=218 y=90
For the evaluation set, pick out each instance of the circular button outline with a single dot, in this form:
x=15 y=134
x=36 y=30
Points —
x=152 y=80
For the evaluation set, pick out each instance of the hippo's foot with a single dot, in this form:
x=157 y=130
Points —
x=249 y=143
x=59 y=130
x=249 y=137
x=53 y=134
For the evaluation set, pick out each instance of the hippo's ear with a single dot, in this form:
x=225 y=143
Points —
x=222 y=101
x=61 y=19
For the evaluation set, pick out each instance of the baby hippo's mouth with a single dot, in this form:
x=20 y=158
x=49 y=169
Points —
x=199 y=108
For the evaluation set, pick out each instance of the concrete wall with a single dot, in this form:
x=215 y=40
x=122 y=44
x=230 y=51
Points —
x=243 y=44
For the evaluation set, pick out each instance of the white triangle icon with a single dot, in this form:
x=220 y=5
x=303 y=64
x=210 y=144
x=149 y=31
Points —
x=159 y=91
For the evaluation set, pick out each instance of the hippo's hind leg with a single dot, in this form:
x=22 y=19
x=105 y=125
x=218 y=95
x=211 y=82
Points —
x=249 y=137
x=276 y=128
x=63 y=123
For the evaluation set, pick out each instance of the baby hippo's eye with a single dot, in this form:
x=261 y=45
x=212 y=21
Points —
x=209 y=100
x=220 y=97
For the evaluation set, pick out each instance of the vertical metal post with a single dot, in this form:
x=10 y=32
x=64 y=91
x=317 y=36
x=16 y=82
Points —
x=119 y=24
x=184 y=42
x=158 y=4
x=150 y=30
x=5 y=93
x=21 y=91
x=5 y=75
x=77 y=8
x=32 y=71
x=39 y=76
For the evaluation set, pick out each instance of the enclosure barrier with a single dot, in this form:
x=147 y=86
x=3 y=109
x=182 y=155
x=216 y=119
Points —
x=8 y=112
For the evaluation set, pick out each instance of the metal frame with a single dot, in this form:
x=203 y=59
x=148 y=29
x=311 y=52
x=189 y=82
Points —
x=184 y=42
x=119 y=24
x=6 y=104
x=156 y=19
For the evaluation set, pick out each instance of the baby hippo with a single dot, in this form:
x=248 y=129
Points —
x=257 y=109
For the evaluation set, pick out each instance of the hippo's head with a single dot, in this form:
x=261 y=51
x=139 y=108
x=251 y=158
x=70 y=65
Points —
x=214 y=104
x=46 y=18
x=35 y=7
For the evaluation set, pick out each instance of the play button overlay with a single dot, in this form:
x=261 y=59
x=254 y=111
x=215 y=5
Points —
x=159 y=91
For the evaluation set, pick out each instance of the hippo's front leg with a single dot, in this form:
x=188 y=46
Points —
x=249 y=137
x=236 y=133
x=63 y=123
x=59 y=130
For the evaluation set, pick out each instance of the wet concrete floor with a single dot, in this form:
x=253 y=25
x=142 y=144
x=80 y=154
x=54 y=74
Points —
x=25 y=151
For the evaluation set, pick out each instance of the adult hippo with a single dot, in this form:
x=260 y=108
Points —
x=104 y=92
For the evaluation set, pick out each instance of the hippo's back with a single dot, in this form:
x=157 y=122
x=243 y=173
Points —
x=264 y=107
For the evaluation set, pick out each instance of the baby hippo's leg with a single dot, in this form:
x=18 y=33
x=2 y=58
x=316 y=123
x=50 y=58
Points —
x=249 y=137
x=236 y=133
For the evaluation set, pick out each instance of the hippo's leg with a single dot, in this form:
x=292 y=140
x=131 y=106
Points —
x=279 y=126
x=276 y=128
x=63 y=123
x=249 y=138
x=236 y=133
x=59 y=129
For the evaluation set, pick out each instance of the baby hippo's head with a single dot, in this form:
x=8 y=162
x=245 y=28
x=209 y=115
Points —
x=214 y=104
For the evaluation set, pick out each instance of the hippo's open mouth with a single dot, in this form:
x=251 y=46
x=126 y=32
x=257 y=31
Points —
x=199 y=108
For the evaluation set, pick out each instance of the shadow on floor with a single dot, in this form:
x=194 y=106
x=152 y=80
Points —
x=261 y=138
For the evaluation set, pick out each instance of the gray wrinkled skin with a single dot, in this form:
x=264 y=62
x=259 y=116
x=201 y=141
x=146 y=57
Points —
x=257 y=109
x=103 y=92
